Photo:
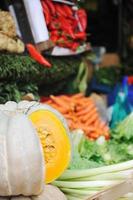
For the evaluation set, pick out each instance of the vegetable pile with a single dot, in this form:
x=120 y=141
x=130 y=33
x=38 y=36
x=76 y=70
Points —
x=81 y=113
x=66 y=26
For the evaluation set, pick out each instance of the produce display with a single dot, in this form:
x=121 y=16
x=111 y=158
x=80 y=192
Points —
x=81 y=113
x=66 y=25
x=59 y=139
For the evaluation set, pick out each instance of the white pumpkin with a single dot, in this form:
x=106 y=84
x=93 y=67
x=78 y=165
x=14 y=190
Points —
x=21 y=157
x=27 y=107
x=53 y=132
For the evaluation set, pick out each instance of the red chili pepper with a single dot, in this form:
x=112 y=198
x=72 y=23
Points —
x=51 y=7
x=37 y=56
x=67 y=43
x=59 y=10
x=80 y=35
x=54 y=36
x=55 y=32
x=46 y=12
x=68 y=10
x=66 y=26
x=63 y=42
x=81 y=13
x=75 y=24
x=75 y=46
x=62 y=39
x=55 y=25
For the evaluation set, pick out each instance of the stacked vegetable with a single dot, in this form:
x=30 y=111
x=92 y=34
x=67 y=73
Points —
x=66 y=25
x=81 y=113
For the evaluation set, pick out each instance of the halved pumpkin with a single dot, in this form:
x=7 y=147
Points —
x=55 y=140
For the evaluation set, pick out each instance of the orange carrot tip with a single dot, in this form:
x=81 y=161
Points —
x=77 y=96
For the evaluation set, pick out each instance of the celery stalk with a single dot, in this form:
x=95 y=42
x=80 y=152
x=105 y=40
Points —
x=71 y=197
x=122 y=175
x=70 y=174
x=84 y=184
x=78 y=191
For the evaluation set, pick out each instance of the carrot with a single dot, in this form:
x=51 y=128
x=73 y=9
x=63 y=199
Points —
x=89 y=115
x=91 y=119
x=85 y=110
x=97 y=122
x=88 y=129
x=106 y=128
x=107 y=135
x=78 y=96
x=65 y=98
x=81 y=106
x=59 y=101
x=48 y=101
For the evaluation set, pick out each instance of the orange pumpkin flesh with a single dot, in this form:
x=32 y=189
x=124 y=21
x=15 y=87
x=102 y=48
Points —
x=55 y=142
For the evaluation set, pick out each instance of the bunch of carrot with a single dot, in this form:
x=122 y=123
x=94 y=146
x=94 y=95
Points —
x=81 y=113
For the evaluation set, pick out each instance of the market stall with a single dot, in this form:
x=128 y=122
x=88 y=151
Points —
x=65 y=107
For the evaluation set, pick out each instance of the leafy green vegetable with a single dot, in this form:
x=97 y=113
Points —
x=108 y=75
x=124 y=130
x=79 y=162
x=21 y=74
x=92 y=154
x=25 y=69
x=15 y=91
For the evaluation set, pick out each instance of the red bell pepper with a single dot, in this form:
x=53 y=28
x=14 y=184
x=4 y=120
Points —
x=37 y=56
x=46 y=12
x=82 y=16
x=51 y=7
